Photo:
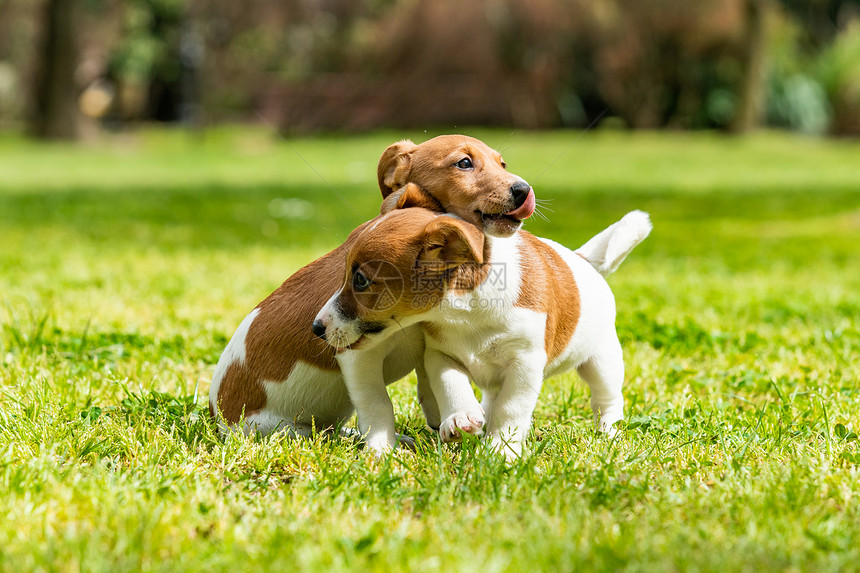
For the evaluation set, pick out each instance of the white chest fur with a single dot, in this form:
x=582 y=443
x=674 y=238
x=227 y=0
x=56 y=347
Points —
x=484 y=336
x=483 y=329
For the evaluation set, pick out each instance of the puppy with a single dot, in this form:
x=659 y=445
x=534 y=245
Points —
x=505 y=312
x=276 y=375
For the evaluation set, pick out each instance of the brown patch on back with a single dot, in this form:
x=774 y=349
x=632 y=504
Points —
x=281 y=335
x=548 y=287
x=241 y=393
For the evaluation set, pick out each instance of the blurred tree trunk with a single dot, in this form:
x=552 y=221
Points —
x=751 y=96
x=56 y=113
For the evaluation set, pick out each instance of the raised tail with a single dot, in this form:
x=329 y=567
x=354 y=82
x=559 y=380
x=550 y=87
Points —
x=608 y=249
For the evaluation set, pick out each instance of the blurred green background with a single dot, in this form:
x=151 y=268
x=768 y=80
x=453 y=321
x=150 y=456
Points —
x=71 y=67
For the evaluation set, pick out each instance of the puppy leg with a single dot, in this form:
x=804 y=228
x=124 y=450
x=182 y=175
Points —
x=604 y=374
x=458 y=408
x=511 y=415
x=427 y=399
x=488 y=395
x=362 y=373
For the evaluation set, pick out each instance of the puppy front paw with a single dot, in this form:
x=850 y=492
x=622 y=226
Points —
x=606 y=427
x=461 y=422
x=380 y=444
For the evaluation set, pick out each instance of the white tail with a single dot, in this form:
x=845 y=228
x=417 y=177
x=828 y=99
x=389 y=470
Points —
x=608 y=249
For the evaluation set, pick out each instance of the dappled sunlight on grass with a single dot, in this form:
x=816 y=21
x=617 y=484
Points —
x=125 y=265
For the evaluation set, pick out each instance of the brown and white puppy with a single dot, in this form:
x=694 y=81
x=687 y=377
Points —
x=276 y=375
x=466 y=177
x=505 y=313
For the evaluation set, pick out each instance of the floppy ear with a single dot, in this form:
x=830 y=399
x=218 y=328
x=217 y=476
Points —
x=410 y=195
x=450 y=242
x=394 y=166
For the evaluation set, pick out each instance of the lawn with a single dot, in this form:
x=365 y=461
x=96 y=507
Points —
x=125 y=266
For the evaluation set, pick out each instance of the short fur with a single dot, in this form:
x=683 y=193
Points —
x=503 y=312
x=275 y=374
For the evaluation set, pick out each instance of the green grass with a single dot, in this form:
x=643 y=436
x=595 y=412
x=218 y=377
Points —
x=125 y=266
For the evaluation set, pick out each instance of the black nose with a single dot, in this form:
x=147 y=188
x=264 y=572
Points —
x=318 y=328
x=519 y=192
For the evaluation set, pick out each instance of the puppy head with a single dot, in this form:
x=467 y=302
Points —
x=466 y=178
x=396 y=271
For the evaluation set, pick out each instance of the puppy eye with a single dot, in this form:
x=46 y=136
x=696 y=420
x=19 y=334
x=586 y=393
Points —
x=360 y=282
x=464 y=163
x=504 y=165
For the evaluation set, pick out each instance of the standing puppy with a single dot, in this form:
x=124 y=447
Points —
x=503 y=312
x=276 y=375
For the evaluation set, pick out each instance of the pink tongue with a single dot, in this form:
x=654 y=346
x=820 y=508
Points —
x=525 y=210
